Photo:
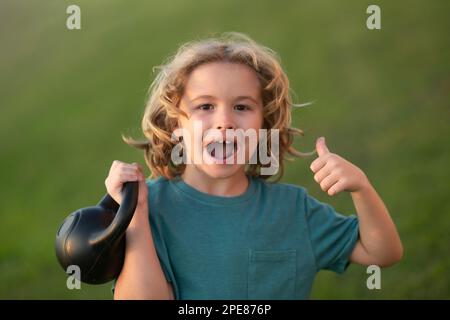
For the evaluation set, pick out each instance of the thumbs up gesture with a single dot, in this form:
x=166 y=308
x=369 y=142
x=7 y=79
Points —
x=334 y=173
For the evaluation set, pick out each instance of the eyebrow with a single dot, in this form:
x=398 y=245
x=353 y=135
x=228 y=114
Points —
x=206 y=96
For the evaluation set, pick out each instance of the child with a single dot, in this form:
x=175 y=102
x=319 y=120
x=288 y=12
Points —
x=218 y=229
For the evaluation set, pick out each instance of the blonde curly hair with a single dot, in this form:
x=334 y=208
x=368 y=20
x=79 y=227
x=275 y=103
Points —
x=162 y=108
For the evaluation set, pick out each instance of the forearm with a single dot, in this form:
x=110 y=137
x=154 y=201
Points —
x=142 y=276
x=378 y=234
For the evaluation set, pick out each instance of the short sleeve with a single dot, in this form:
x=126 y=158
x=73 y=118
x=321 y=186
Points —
x=160 y=247
x=333 y=235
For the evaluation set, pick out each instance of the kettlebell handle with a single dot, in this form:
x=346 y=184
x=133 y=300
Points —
x=125 y=212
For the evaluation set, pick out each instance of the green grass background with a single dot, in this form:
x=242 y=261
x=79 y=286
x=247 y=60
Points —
x=382 y=101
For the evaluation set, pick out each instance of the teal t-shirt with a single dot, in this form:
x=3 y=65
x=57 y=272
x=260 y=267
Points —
x=267 y=243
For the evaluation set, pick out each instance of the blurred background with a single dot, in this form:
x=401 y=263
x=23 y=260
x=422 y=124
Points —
x=381 y=100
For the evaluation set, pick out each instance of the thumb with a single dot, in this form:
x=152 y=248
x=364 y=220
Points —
x=321 y=147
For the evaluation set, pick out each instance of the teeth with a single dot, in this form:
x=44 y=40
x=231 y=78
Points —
x=221 y=150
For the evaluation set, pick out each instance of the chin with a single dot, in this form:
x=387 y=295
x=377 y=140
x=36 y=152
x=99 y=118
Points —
x=220 y=171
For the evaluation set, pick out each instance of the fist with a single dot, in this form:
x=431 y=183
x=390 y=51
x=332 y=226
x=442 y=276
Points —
x=121 y=172
x=334 y=173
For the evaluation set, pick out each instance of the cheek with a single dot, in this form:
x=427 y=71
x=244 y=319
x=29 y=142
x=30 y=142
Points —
x=254 y=120
x=186 y=130
x=258 y=125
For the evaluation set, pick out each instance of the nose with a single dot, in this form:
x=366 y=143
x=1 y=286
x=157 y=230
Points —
x=224 y=120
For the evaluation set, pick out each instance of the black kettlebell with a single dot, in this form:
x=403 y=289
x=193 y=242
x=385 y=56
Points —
x=93 y=238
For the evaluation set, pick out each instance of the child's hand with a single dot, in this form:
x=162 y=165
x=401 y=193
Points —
x=122 y=172
x=335 y=174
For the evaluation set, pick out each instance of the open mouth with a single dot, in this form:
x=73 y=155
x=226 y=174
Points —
x=221 y=150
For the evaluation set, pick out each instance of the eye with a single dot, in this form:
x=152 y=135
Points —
x=241 y=107
x=205 y=107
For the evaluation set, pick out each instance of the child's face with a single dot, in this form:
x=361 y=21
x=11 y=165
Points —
x=221 y=96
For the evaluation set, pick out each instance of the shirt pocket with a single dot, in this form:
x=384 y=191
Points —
x=272 y=274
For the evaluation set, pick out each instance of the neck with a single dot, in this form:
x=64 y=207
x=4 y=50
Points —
x=230 y=186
